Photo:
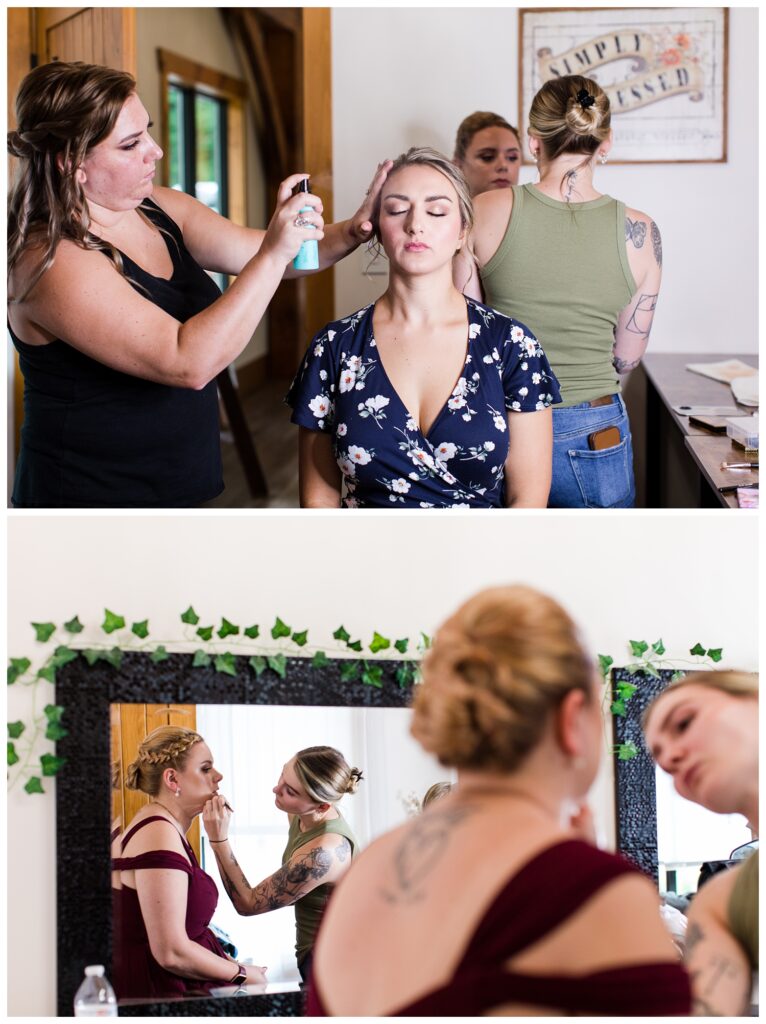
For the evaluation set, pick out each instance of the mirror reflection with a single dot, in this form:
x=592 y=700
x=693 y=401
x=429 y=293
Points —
x=279 y=831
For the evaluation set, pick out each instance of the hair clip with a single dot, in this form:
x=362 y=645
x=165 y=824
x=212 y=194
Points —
x=585 y=99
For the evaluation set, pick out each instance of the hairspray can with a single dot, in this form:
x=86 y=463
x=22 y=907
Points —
x=308 y=254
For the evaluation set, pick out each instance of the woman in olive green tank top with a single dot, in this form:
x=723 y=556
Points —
x=703 y=730
x=319 y=850
x=583 y=271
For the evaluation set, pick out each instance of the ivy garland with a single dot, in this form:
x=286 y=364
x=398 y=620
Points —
x=24 y=738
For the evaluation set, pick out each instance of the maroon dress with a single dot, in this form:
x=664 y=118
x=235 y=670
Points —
x=545 y=892
x=136 y=973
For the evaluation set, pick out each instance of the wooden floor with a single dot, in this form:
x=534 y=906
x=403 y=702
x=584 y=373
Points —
x=276 y=442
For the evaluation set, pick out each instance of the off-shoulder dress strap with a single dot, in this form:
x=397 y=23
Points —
x=154 y=858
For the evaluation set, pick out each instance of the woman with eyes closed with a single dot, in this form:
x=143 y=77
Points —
x=319 y=851
x=120 y=330
x=488 y=152
x=425 y=398
x=703 y=731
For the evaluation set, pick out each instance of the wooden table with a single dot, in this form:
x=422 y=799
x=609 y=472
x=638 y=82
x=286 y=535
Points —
x=708 y=453
x=675 y=474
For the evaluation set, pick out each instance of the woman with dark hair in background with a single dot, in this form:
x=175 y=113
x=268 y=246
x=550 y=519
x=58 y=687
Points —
x=488 y=152
x=583 y=270
x=120 y=330
x=703 y=731
x=490 y=903
x=319 y=851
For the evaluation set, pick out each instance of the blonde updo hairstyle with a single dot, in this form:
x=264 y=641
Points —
x=734 y=683
x=496 y=672
x=165 y=747
x=325 y=774
x=566 y=121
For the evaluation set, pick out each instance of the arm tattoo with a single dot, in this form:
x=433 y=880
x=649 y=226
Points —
x=641 y=318
x=635 y=232
x=288 y=885
x=624 y=365
x=422 y=846
x=693 y=936
x=343 y=852
x=657 y=244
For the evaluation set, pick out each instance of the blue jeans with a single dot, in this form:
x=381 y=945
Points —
x=583 y=478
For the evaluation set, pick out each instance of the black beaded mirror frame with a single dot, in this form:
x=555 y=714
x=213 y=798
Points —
x=83 y=795
x=635 y=793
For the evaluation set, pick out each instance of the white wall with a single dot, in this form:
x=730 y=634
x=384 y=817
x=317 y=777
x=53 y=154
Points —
x=404 y=76
x=631 y=576
x=199 y=34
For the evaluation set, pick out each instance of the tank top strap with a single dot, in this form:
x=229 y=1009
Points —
x=545 y=892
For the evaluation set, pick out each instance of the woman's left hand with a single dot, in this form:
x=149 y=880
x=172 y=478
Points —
x=360 y=225
x=216 y=817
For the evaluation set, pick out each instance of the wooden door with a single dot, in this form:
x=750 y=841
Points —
x=130 y=724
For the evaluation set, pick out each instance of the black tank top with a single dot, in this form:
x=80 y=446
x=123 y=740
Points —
x=95 y=437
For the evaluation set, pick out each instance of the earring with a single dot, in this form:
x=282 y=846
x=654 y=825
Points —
x=602 y=158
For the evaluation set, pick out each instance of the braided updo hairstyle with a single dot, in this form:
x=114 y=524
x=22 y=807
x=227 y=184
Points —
x=570 y=114
x=165 y=747
x=497 y=669
x=63 y=110
x=325 y=774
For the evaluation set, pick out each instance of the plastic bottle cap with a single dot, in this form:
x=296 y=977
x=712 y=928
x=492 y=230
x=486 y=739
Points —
x=303 y=185
x=94 y=971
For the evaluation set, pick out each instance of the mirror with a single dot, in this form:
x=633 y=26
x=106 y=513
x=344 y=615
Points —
x=84 y=794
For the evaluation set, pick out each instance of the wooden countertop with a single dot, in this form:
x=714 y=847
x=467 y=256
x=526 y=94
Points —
x=713 y=449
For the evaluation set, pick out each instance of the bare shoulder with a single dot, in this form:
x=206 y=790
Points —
x=489 y=206
x=712 y=900
x=176 y=204
x=629 y=923
x=157 y=835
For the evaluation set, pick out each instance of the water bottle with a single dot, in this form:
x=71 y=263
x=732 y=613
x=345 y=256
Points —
x=95 y=997
x=308 y=254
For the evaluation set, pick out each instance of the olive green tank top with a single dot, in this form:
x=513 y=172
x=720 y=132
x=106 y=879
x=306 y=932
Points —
x=562 y=269
x=309 y=909
x=743 y=909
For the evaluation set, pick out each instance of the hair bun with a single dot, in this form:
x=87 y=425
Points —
x=355 y=776
x=18 y=146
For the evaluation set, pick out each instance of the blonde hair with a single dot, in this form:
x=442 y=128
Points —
x=474 y=123
x=729 y=681
x=496 y=671
x=325 y=774
x=435 y=793
x=165 y=747
x=565 y=120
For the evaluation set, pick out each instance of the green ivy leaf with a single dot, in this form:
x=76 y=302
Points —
x=13 y=757
x=74 y=626
x=678 y=674
x=300 y=638
x=424 y=642
x=715 y=653
x=319 y=660
x=227 y=629
x=91 y=655
x=627 y=751
x=278 y=663
x=55 y=732
x=159 y=654
x=402 y=645
x=15 y=729
x=355 y=646
x=190 y=616
x=379 y=643
x=658 y=647
x=604 y=664
x=404 y=674
x=47 y=672
x=62 y=656
x=34 y=785
x=280 y=629
x=638 y=647
x=349 y=671
x=225 y=664
x=201 y=659
x=43 y=631
x=258 y=664
x=51 y=764
x=697 y=649
x=650 y=670
x=17 y=667
x=626 y=690
x=140 y=629
x=205 y=632
x=618 y=708
x=342 y=635
x=114 y=657
x=372 y=675
x=112 y=622
x=252 y=632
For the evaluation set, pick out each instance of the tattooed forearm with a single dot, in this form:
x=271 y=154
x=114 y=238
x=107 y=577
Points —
x=625 y=365
x=635 y=232
x=233 y=877
x=423 y=845
x=657 y=244
x=641 y=318
x=292 y=881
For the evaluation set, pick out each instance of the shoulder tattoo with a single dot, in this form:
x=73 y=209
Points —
x=657 y=244
x=635 y=232
x=421 y=848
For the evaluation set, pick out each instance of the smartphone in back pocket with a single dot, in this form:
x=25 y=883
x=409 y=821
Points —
x=609 y=437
